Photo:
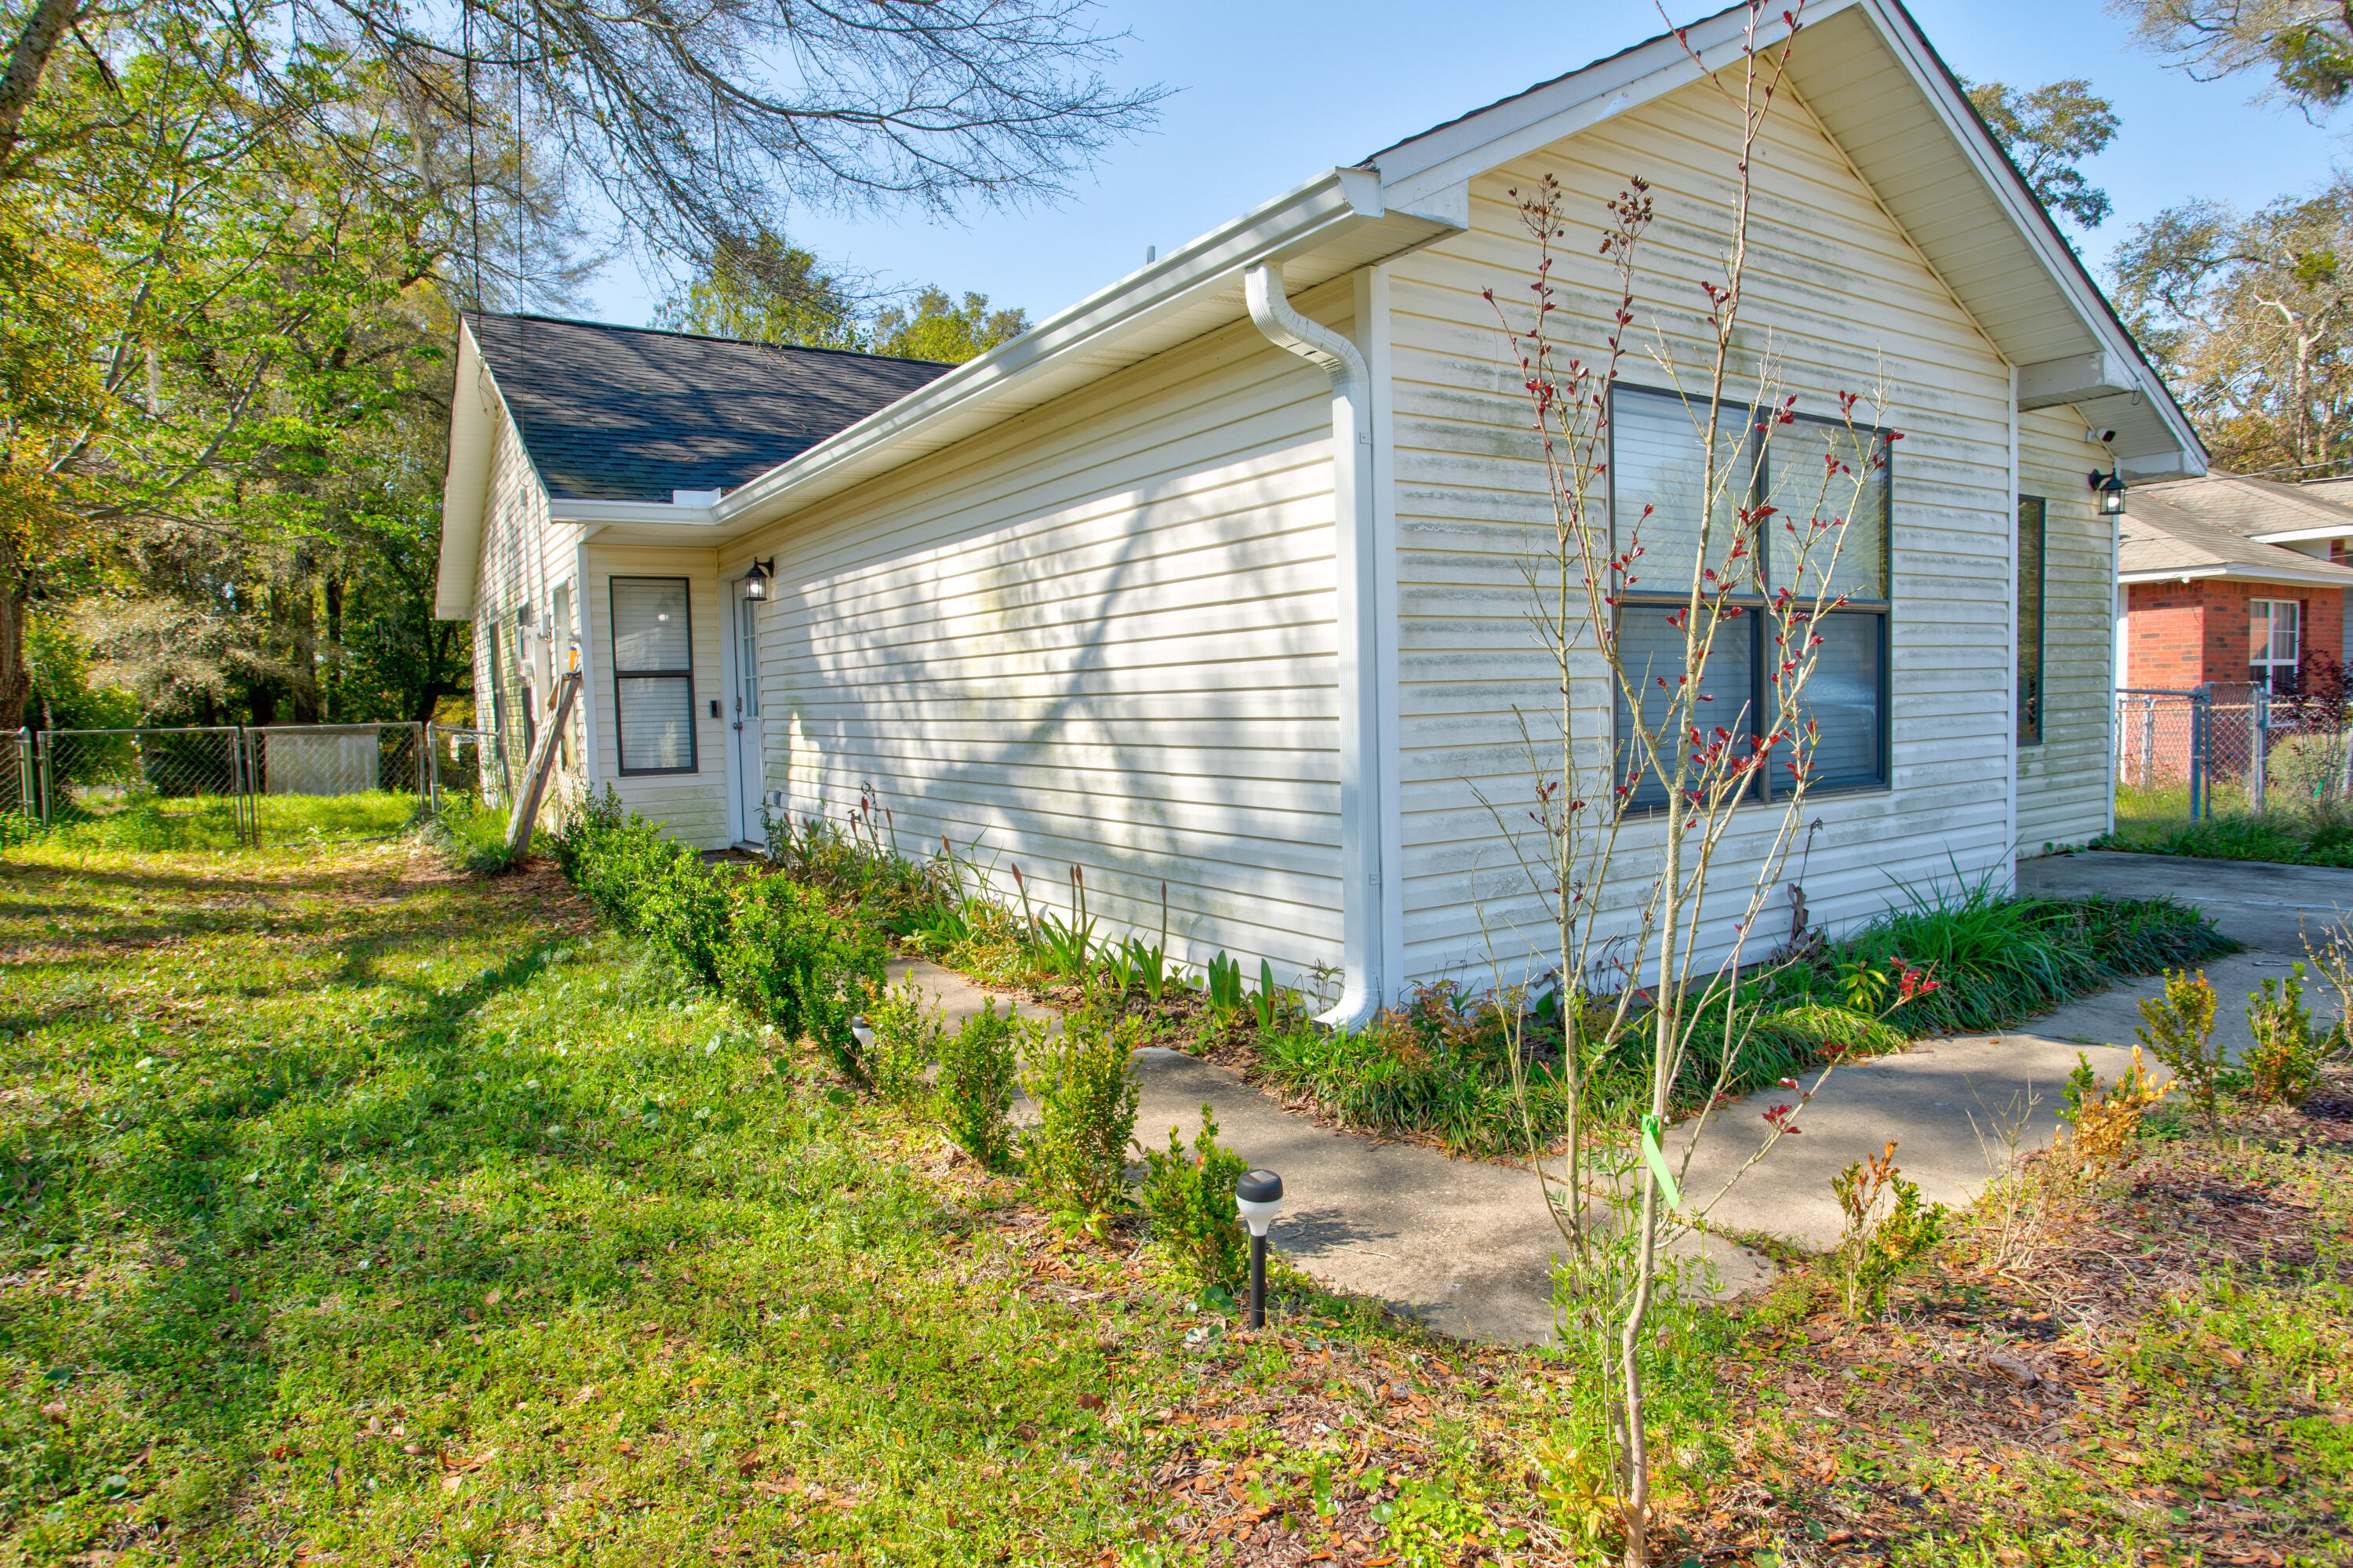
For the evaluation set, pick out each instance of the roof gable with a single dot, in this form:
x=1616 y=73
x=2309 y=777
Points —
x=2189 y=530
x=615 y=413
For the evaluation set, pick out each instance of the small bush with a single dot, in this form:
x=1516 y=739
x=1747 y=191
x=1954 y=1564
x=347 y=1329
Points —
x=2106 y=1117
x=907 y=1037
x=2287 y=1053
x=1888 y=1229
x=1083 y=1078
x=793 y=961
x=684 y=911
x=975 y=1089
x=2308 y=767
x=613 y=858
x=2177 y=1027
x=1189 y=1199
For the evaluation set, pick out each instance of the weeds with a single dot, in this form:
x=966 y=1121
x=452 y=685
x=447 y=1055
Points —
x=471 y=834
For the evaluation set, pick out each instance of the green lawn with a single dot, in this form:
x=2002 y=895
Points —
x=355 y=1211
x=145 y=823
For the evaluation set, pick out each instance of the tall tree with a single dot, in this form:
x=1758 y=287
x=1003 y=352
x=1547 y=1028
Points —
x=2047 y=132
x=2251 y=315
x=2303 y=46
x=937 y=328
x=766 y=290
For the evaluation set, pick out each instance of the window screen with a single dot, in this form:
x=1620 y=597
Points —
x=653 y=676
x=1807 y=470
x=2030 y=518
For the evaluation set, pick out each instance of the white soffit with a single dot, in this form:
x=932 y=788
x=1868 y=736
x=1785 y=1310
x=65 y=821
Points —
x=465 y=482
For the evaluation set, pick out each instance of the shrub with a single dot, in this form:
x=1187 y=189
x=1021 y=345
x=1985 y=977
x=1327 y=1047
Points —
x=1083 y=1078
x=975 y=1087
x=793 y=961
x=2287 y=1053
x=1189 y=1199
x=2308 y=767
x=684 y=911
x=907 y=1038
x=2177 y=1027
x=2106 y=1116
x=1880 y=1242
x=614 y=859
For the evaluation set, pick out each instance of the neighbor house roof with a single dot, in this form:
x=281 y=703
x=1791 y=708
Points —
x=1867 y=76
x=2202 y=528
x=616 y=413
x=2261 y=509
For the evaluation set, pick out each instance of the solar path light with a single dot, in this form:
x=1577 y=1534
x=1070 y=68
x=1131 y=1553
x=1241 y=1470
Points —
x=1258 y=1194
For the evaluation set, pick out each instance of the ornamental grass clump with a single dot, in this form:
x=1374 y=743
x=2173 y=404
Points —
x=1189 y=1200
x=1083 y=1076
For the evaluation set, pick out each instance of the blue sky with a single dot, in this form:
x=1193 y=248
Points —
x=1268 y=95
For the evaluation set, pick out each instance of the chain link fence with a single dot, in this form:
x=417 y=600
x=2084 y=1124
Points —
x=223 y=786
x=2228 y=748
x=465 y=762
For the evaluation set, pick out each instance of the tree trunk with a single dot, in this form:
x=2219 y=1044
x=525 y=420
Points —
x=16 y=678
x=29 y=56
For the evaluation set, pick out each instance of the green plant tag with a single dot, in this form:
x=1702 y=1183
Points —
x=1657 y=1160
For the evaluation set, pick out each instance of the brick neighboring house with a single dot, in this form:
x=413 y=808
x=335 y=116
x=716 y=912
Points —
x=2225 y=579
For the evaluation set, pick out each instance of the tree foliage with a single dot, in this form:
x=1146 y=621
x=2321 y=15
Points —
x=2305 y=47
x=766 y=290
x=2248 y=315
x=938 y=328
x=2047 y=132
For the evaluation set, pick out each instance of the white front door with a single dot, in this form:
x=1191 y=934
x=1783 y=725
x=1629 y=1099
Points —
x=748 y=782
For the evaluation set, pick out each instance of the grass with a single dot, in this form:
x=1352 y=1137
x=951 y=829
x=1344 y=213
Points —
x=2322 y=835
x=143 y=823
x=355 y=1210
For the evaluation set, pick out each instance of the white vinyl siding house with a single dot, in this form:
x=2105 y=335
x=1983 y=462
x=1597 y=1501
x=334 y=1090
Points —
x=1184 y=587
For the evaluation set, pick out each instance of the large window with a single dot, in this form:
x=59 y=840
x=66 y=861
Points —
x=2276 y=630
x=1657 y=459
x=2031 y=520
x=653 y=676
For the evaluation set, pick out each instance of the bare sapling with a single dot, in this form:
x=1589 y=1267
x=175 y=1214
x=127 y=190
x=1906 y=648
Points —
x=1683 y=598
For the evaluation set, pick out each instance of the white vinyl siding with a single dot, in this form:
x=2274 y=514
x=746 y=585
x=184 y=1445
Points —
x=2064 y=783
x=1101 y=635
x=1841 y=298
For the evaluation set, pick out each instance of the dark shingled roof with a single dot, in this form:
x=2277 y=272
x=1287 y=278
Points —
x=615 y=413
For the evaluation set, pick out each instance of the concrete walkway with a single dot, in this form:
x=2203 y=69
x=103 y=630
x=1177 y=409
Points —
x=1466 y=1246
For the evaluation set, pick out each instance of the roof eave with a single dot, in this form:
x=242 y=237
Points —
x=465 y=482
x=2239 y=571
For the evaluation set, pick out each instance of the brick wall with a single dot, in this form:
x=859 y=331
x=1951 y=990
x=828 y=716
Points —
x=2180 y=635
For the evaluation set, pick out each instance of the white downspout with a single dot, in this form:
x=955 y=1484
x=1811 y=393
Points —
x=1359 y=643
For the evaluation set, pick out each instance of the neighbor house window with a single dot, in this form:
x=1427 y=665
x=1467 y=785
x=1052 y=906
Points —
x=2275 y=629
x=653 y=676
x=1657 y=459
x=2030 y=519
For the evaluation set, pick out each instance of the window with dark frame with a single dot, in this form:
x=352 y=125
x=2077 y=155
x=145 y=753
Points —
x=2033 y=514
x=653 y=676
x=1656 y=458
x=2275 y=635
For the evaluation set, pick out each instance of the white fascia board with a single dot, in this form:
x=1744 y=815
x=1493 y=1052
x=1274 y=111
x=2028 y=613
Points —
x=2329 y=577
x=1416 y=171
x=601 y=514
x=1322 y=209
x=2305 y=535
x=2077 y=379
x=465 y=482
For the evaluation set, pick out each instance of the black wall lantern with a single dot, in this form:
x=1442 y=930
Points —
x=755 y=581
x=2110 y=488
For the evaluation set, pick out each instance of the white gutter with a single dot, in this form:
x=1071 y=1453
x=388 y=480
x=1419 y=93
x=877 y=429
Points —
x=1354 y=556
x=2341 y=578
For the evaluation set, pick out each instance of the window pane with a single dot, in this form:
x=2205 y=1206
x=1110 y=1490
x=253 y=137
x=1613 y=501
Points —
x=2031 y=525
x=1842 y=699
x=2284 y=627
x=649 y=629
x=1656 y=460
x=1802 y=484
x=657 y=716
x=1653 y=651
x=2259 y=628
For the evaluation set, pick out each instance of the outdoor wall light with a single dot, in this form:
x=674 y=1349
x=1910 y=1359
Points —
x=1258 y=1194
x=2110 y=488
x=755 y=581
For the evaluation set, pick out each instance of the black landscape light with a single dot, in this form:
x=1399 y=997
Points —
x=2110 y=488
x=755 y=581
x=1258 y=1194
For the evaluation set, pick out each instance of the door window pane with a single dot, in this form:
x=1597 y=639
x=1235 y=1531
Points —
x=1653 y=651
x=747 y=654
x=2030 y=523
